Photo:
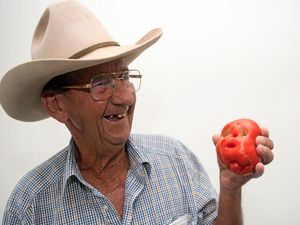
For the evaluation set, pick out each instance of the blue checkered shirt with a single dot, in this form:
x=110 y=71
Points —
x=165 y=181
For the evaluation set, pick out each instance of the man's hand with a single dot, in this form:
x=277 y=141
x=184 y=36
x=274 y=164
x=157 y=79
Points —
x=233 y=182
x=230 y=211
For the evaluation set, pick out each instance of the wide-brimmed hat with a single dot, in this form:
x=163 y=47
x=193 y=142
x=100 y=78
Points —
x=68 y=37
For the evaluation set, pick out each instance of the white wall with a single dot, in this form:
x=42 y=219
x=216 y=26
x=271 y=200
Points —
x=217 y=61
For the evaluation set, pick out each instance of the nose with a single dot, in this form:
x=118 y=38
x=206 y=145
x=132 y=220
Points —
x=122 y=95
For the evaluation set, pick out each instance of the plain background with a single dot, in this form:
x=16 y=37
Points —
x=217 y=61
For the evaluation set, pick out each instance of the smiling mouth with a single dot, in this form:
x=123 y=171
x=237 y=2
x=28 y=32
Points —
x=115 y=117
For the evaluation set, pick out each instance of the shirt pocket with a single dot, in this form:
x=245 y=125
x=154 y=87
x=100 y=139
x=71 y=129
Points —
x=185 y=219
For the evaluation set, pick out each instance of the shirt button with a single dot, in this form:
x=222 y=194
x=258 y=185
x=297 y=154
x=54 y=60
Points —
x=105 y=208
x=130 y=217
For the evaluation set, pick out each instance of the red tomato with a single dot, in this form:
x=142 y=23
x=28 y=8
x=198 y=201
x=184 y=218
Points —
x=236 y=147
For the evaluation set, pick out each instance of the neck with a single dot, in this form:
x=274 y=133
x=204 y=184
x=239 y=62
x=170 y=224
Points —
x=104 y=166
x=99 y=158
x=98 y=163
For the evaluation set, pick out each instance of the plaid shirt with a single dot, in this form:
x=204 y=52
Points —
x=165 y=182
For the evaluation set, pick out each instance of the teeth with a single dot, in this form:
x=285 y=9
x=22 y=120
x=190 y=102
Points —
x=116 y=116
x=121 y=115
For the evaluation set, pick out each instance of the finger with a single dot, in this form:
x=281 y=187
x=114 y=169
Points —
x=215 y=138
x=264 y=131
x=259 y=170
x=262 y=140
x=265 y=153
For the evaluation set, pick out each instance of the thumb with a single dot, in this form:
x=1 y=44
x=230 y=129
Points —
x=215 y=138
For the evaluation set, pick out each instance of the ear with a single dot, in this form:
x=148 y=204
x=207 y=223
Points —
x=55 y=107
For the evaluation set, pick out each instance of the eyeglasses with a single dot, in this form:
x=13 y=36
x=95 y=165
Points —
x=103 y=86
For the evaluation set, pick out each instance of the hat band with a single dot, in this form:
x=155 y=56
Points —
x=93 y=48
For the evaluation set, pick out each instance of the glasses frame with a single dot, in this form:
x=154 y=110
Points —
x=89 y=86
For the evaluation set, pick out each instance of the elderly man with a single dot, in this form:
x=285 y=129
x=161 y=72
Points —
x=79 y=76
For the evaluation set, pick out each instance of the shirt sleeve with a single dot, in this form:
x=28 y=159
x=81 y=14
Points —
x=10 y=218
x=18 y=209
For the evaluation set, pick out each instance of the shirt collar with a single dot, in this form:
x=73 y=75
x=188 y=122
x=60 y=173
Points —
x=138 y=161
x=137 y=156
x=71 y=167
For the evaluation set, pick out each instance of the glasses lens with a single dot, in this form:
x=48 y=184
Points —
x=134 y=79
x=101 y=88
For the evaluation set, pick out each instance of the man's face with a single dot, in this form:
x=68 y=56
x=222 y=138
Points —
x=108 y=121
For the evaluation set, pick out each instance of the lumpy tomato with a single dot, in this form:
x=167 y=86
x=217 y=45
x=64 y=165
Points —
x=236 y=147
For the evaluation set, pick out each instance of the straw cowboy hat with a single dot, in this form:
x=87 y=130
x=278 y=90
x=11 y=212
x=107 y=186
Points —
x=68 y=37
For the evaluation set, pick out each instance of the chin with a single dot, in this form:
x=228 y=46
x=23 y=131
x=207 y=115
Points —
x=118 y=139
x=116 y=132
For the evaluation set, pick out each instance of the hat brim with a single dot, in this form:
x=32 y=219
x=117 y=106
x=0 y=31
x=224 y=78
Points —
x=21 y=87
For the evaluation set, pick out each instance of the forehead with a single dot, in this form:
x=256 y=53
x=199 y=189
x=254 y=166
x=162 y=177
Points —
x=88 y=73
x=83 y=76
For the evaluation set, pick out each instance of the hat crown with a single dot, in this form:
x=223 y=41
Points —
x=68 y=37
x=66 y=28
